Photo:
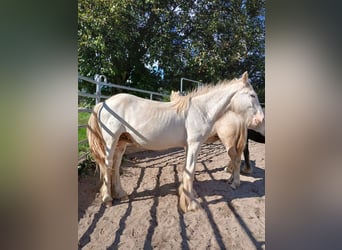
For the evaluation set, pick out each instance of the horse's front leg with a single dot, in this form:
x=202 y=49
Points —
x=187 y=201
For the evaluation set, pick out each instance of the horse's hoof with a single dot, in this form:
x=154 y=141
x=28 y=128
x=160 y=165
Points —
x=227 y=170
x=124 y=198
x=246 y=170
x=121 y=195
x=108 y=203
x=234 y=185
x=194 y=205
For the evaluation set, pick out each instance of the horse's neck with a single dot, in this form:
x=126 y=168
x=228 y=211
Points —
x=215 y=103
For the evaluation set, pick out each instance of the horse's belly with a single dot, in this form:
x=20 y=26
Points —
x=160 y=141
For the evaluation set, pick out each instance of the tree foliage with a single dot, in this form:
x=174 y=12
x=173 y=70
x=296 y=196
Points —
x=197 y=39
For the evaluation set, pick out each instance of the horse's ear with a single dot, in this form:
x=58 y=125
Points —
x=245 y=77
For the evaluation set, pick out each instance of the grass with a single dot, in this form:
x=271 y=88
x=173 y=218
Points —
x=88 y=165
x=82 y=120
x=84 y=166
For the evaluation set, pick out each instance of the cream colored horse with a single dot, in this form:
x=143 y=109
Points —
x=154 y=125
x=231 y=130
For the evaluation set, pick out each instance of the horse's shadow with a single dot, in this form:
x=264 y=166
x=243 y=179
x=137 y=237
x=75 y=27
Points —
x=212 y=187
x=225 y=194
x=204 y=189
x=88 y=187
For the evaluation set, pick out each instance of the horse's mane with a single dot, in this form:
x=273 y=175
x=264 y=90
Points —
x=182 y=103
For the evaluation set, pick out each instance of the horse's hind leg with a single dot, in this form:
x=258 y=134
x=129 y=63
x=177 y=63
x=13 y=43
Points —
x=104 y=176
x=226 y=141
x=106 y=190
x=230 y=166
x=107 y=178
x=234 y=179
x=247 y=167
x=118 y=192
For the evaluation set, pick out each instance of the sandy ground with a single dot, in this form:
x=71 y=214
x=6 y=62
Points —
x=150 y=218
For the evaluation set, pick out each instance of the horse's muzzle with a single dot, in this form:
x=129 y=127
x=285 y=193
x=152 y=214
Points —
x=258 y=119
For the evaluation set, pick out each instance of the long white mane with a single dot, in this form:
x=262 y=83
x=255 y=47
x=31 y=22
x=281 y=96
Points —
x=181 y=104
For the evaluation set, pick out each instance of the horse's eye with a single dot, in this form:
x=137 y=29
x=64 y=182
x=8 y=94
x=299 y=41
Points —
x=253 y=96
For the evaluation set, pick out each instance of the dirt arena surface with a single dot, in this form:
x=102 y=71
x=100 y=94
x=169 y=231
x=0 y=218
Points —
x=151 y=219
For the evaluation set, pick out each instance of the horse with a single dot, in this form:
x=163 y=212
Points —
x=258 y=135
x=231 y=129
x=153 y=125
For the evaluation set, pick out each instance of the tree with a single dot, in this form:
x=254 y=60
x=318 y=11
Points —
x=201 y=40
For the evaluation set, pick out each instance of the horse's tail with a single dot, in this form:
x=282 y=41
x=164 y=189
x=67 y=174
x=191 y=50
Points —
x=95 y=139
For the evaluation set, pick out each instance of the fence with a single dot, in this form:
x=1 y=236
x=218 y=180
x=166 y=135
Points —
x=101 y=80
x=199 y=84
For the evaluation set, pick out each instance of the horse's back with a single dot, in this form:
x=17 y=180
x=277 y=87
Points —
x=151 y=124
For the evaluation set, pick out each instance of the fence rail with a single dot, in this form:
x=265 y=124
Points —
x=84 y=110
x=98 y=93
x=189 y=80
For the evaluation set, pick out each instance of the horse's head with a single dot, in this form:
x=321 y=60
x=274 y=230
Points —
x=246 y=103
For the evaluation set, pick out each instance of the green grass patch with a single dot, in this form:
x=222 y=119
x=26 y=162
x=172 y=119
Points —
x=82 y=134
x=83 y=117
